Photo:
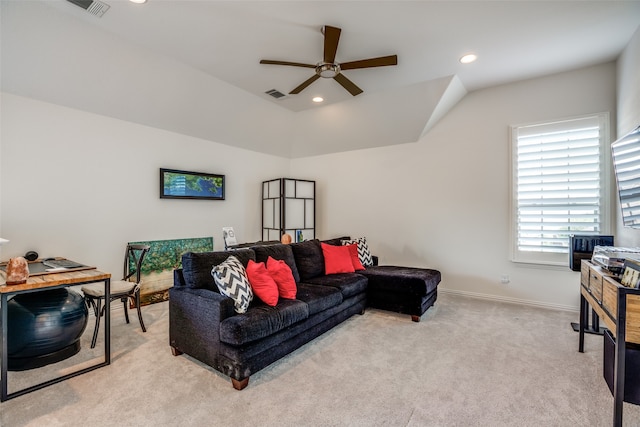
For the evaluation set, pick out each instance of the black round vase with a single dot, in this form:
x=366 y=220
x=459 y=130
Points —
x=44 y=327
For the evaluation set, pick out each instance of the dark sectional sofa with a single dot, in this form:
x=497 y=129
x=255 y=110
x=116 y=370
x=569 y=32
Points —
x=204 y=325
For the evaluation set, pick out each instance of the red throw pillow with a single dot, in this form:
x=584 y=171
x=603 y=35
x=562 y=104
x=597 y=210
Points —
x=337 y=259
x=262 y=283
x=355 y=259
x=282 y=275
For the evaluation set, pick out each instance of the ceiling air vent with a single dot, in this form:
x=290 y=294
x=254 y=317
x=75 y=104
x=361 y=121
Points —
x=275 y=93
x=94 y=7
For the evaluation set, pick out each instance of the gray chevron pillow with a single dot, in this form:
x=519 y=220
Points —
x=231 y=278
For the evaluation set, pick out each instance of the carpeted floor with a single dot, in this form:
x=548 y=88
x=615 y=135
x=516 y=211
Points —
x=469 y=362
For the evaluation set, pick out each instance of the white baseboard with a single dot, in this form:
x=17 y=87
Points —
x=510 y=300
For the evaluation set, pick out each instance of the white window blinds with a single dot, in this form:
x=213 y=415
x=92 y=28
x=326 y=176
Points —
x=557 y=186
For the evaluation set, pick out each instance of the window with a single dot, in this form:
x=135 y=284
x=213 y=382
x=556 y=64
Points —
x=559 y=186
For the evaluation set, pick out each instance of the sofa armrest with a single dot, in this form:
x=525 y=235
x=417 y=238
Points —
x=194 y=321
x=178 y=278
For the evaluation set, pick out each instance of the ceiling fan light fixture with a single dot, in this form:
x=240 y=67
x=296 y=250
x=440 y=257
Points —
x=138 y=1
x=468 y=58
x=328 y=71
x=317 y=99
x=328 y=68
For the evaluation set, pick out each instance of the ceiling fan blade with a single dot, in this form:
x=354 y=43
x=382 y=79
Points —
x=304 y=84
x=293 y=64
x=382 y=61
x=331 y=39
x=348 y=84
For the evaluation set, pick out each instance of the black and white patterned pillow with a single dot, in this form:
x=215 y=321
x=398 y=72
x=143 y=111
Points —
x=231 y=278
x=363 y=250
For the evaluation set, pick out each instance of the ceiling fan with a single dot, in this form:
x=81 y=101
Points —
x=329 y=68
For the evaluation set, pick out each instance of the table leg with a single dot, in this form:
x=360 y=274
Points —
x=619 y=362
x=107 y=322
x=5 y=357
x=595 y=321
x=583 y=320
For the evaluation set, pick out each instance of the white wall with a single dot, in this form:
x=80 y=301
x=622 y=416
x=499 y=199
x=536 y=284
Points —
x=81 y=185
x=444 y=201
x=628 y=118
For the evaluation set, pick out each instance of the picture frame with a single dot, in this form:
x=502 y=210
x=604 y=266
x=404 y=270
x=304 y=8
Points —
x=229 y=237
x=631 y=274
x=179 y=184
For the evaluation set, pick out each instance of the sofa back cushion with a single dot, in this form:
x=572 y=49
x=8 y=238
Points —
x=309 y=259
x=336 y=241
x=278 y=252
x=196 y=266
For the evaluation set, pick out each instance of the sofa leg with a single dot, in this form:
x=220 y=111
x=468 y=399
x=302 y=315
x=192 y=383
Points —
x=415 y=318
x=362 y=312
x=240 y=384
x=175 y=351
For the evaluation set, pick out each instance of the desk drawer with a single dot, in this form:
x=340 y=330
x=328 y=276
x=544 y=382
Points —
x=633 y=319
x=610 y=297
x=584 y=274
x=595 y=285
x=610 y=306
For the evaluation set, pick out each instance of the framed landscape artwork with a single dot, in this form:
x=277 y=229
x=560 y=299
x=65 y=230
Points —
x=177 y=184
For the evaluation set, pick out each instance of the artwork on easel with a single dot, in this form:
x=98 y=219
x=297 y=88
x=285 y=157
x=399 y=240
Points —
x=163 y=257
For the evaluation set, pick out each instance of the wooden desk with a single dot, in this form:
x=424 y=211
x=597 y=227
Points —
x=41 y=283
x=619 y=308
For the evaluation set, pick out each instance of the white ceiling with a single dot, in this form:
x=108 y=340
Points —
x=205 y=55
x=514 y=39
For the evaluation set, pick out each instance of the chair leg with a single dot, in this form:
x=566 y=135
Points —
x=98 y=312
x=139 y=312
x=126 y=312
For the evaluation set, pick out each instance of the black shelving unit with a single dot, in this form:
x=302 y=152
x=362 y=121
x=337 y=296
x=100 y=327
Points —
x=288 y=206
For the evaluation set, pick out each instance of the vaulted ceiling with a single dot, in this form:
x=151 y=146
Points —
x=193 y=66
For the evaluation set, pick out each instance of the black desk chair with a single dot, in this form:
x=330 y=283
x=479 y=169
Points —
x=123 y=290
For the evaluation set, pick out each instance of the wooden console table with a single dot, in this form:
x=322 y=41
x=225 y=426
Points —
x=42 y=283
x=619 y=308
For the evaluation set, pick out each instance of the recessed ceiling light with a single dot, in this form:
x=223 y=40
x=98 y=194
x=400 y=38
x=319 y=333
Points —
x=138 y=1
x=318 y=99
x=468 y=58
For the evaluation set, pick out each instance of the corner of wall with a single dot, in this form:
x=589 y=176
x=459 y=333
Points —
x=453 y=93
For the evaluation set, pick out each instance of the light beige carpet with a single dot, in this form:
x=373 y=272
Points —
x=469 y=362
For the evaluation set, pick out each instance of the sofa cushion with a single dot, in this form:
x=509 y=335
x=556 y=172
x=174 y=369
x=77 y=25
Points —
x=319 y=298
x=363 y=250
x=196 y=266
x=336 y=241
x=406 y=280
x=309 y=259
x=262 y=284
x=261 y=321
x=278 y=252
x=337 y=259
x=231 y=278
x=281 y=274
x=349 y=283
